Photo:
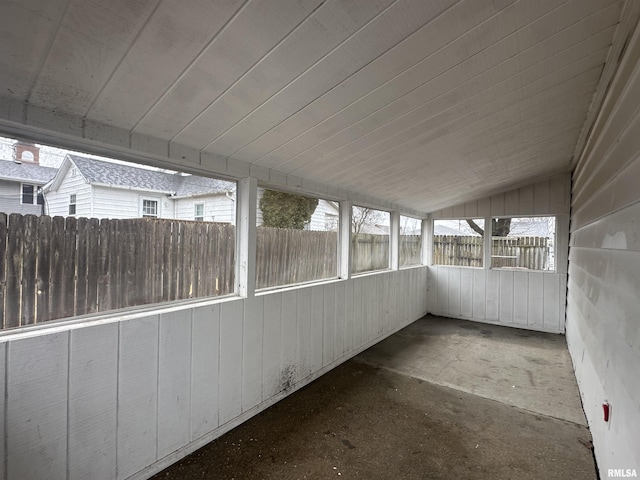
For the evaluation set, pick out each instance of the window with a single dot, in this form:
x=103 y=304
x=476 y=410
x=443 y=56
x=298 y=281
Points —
x=198 y=212
x=369 y=239
x=293 y=244
x=31 y=195
x=410 y=241
x=458 y=242
x=331 y=221
x=149 y=208
x=72 y=204
x=525 y=243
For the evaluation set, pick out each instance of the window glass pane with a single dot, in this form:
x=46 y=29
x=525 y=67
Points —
x=410 y=241
x=126 y=260
x=369 y=239
x=198 y=214
x=526 y=243
x=295 y=243
x=27 y=194
x=458 y=242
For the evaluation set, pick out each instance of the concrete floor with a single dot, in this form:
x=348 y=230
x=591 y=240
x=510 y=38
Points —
x=441 y=399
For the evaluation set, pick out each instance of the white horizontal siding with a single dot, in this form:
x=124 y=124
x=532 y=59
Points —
x=143 y=392
x=217 y=208
x=58 y=201
x=531 y=300
x=11 y=199
x=603 y=326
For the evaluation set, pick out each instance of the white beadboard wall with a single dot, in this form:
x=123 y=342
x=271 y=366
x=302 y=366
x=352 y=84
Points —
x=124 y=397
x=603 y=310
x=530 y=300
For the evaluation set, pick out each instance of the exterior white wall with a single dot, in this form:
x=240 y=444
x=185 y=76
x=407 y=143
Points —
x=126 y=397
x=531 y=300
x=11 y=199
x=603 y=309
x=318 y=219
x=57 y=202
x=217 y=208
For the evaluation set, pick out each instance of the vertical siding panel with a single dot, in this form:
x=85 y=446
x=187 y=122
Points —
x=471 y=209
x=350 y=315
x=454 y=292
x=525 y=201
x=204 y=370
x=317 y=326
x=230 y=390
x=93 y=397
x=378 y=298
x=442 y=279
x=479 y=294
x=137 y=395
x=340 y=320
x=541 y=198
x=506 y=297
x=536 y=299
x=357 y=311
x=432 y=289
x=551 y=319
x=520 y=297
x=174 y=382
x=304 y=332
x=36 y=409
x=484 y=207
x=386 y=302
x=497 y=205
x=511 y=204
x=558 y=198
x=466 y=292
x=288 y=351
x=271 y=344
x=329 y=325
x=458 y=211
x=492 y=303
x=3 y=425
x=252 y=353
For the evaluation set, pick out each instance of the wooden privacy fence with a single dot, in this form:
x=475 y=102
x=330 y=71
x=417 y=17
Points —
x=59 y=267
x=517 y=252
x=286 y=256
x=56 y=267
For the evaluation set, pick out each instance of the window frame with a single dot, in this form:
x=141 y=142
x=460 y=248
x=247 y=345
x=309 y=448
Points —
x=553 y=238
x=390 y=234
x=421 y=242
x=196 y=217
x=73 y=202
x=483 y=247
x=143 y=214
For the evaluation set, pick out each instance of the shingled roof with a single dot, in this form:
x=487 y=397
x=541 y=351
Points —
x=119 y=175
x=25 y=172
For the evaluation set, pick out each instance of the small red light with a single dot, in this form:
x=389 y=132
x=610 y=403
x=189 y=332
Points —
x=606 y=409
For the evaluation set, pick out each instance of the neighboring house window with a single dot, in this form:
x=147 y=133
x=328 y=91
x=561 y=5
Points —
x=31 y=195
x=198 y=213
x=72 y=204
x=149 y=208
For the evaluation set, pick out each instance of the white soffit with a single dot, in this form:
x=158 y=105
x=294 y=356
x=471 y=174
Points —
x=418 y=103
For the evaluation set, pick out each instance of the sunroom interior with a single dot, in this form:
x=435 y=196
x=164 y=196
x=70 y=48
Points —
x=468 y=111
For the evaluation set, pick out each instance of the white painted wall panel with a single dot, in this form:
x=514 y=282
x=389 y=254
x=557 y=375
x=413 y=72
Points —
x=36 y=408
x=603 y=326
x=253 y=330
x=145 y=390
x=271 y=344
x=533 y=299
x=93 y=388
x=137 y=433
x=205 y=364
x=230 y=389
x=174 y=381
x=3 y=419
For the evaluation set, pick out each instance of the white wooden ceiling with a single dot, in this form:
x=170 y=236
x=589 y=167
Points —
x=423 y=103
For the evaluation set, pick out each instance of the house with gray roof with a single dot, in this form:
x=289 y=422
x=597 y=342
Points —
x=20 y=185
x=87 y=187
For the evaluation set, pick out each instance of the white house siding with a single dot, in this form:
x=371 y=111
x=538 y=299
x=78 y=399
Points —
x=531 y=300
x=11 y=199
x=124 y=398
x=112 y=202
x=57 y=202
x=318 y=219
x=603 y=309
x=217 y=208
